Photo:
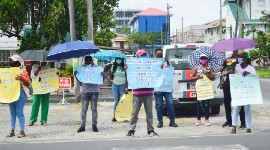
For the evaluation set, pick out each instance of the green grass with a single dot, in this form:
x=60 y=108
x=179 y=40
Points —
x=263 y=72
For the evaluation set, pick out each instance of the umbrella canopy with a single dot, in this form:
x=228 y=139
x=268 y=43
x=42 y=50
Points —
x=233 y=44
x=109 y=55
x=34 y=55
x=215 y=59
x=73 y=49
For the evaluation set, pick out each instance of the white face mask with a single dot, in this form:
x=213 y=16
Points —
x=240 y=60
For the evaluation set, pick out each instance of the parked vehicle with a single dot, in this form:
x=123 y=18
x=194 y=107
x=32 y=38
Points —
x=184 y=93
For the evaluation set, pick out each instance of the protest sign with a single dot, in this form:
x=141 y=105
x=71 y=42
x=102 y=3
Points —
x=204 y=88
x=167 y=83
x=47 y=81
x=124 y=108
x=144 y=72
x=245 y=90
x=9 y=87
x=88 y=74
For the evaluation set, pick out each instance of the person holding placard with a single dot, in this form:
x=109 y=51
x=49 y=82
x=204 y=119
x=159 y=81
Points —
x=228 y=68
x=44 y=99
x=145 y=96
x=119 y=86
x=16 y=108
x=168 y=97
x=243 y=68
x=197 y=74
x=89 y=95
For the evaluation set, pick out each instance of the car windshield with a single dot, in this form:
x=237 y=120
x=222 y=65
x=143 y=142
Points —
x=179 y=57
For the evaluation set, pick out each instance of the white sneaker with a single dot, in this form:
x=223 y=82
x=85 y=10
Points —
x=207 y=123
x=198 y=122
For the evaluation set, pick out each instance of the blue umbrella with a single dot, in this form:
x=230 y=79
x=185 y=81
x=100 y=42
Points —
x=109 y=55
x=73 y=49
x=215 y=59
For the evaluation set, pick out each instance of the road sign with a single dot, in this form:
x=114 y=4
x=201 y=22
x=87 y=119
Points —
x=64 y=83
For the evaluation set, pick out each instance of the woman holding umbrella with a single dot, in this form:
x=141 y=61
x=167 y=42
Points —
x=119 y=86
x=198 y=72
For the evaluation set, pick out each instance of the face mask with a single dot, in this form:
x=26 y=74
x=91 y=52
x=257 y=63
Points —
x=159 y=56
x=144 y=56
x=240 y=60
x=118 y=61
x=203 y=61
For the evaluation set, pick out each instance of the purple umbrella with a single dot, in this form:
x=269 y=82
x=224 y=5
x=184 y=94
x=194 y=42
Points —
x=233 y=44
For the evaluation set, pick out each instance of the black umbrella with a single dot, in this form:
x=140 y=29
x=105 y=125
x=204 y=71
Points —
x=34 y=55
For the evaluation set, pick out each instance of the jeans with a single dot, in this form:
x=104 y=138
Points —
x=45 y=100
x=205 y=104
x=148 y=104
x=248 y=113
x=91 y=97
x=16 y=110
x=118 y=91
x=227 y=105
x=159 y=105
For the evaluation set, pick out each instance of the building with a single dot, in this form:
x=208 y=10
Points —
x=193 y=34
x=120 y=41
x=150 y=20
x=249 y=15
x=212 y=33
x=123 y=16
x=8 y=47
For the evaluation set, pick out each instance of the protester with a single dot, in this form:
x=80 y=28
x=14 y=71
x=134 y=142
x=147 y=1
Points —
x=168 y=97
x=16 y=108
x=89 y=94
x=243 y=68
x=44 y=99
x=197 y=73
x=119 y=86
x=142 y=95
x=227 y=68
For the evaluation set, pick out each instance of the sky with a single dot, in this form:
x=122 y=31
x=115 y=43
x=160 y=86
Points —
x=194 y=12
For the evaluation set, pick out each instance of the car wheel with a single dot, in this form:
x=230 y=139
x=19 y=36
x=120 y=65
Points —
x=215 y=110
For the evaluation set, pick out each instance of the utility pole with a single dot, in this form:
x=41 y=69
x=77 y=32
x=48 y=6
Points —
x=241 y=30
x=90 y=21
x=73 y=38
x=236 y=20
x=220 y=22
x=168 y=25
x=182 y=30
x=176 y=38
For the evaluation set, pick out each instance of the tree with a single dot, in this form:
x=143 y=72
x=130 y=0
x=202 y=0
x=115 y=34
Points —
x=252 y=31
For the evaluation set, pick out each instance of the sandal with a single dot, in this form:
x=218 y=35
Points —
x=11 y=134
x=44 y=123
x=31 y=124
x=22 y=134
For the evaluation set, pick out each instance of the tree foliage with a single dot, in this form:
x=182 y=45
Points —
x=143 y=39
x=50 y=21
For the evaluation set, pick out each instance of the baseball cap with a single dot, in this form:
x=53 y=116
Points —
x=203 y=55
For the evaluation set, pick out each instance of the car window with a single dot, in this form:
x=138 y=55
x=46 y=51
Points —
x=179 y=57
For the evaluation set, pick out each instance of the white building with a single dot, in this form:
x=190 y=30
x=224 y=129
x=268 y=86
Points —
x=193 y=34
x=212 y=34
x=8 y=47
x=249 y=15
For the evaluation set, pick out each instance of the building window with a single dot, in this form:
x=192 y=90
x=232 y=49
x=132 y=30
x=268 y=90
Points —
x=4 y=55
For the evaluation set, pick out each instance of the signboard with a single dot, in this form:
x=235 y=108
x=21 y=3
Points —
x=47 y=81
x=204 y=89
x=64 y=83
x=245 y=90
x=144 y=72
x=9 y=87
x=88 y=74
x=167 y=80
x=124 y=108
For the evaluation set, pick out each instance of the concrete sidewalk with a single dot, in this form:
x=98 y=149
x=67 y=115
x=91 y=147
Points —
x=64 y=120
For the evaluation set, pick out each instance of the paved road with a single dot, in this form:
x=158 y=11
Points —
x=229 y=142
x=265 y=88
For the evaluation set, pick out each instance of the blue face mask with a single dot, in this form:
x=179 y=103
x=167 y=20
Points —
x=118 y=61
x=240 y=60
x=144 y=56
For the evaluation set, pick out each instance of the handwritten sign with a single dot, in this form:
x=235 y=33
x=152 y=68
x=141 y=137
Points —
x=204 y=89
x=64 y=83
x=245 y=90
x=88 y=74
x=144 y=72
x=167 y=80
x=47 y=81
x=9 y=87
x=124 y=108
